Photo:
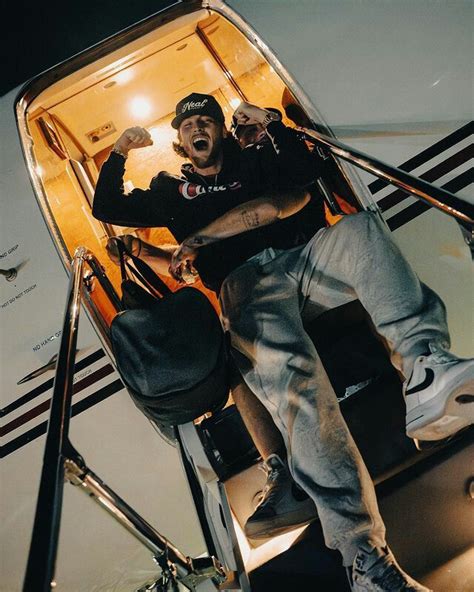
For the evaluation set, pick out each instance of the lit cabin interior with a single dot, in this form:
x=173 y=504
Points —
x=75 y=122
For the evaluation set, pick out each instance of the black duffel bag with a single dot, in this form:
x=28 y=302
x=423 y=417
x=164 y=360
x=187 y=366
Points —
x=170 y=350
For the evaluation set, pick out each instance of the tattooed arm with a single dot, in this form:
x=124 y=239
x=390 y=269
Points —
x=247 y=216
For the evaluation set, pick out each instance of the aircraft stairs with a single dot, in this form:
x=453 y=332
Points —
x=411 y=478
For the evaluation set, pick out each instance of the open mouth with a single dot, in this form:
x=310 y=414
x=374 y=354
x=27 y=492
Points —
x=200 y=143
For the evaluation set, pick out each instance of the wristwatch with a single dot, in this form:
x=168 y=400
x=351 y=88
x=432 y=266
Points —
x=269 y=117
x=117 y=151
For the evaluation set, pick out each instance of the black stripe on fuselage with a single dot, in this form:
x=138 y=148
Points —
x=39 y=430
x=42 y=388
x=441 y=169
x=425 y=155
x=420 y=207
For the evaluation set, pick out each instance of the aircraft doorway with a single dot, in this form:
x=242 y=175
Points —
x=74 y=122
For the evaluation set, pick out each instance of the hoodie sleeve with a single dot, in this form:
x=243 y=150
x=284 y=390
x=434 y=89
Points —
x=140 y=207
x=296 y=165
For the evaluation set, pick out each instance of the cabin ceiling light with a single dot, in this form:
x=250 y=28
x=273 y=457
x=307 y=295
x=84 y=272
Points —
x=234 y=103
x=140 y=107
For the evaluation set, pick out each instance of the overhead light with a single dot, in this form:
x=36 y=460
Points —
x=140 y=107
x=39 y=170
x=234 y=103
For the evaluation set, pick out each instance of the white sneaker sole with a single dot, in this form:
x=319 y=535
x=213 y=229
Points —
x=443 y=415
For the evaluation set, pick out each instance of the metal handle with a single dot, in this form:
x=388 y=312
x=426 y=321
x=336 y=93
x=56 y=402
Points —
x=9 y=274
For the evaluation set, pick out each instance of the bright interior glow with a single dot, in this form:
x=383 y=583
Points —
x=39 y=170
x=140 y=107
x=162 y=134
x=124 y=76
x=234 y=103
x=255 y=557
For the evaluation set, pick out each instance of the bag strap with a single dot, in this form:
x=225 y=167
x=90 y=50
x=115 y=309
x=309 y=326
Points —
x=148 y=276
x=122 y=259
x=142 y=272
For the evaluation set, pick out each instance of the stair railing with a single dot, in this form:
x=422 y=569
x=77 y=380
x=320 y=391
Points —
x=61 y=460
x=434 y=196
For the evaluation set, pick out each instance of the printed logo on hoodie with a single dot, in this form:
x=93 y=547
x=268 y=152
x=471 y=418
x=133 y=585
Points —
x=192 y=190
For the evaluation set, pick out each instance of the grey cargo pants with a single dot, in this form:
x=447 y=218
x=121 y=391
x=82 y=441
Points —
x=264 y=302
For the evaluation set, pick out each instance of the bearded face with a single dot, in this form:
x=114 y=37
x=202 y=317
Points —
x=201 y=138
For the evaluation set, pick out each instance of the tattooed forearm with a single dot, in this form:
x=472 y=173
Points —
x=250 y=219
x=254 y=214
x=199 y=240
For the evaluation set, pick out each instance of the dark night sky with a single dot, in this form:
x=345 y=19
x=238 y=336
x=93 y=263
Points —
x=38 y=35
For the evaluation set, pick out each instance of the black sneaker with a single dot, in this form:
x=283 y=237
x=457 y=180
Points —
x=376 y=570
x=283 y=506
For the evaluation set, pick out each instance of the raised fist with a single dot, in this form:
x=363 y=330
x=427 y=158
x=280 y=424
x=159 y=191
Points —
x=133 y=137
x=248 y=114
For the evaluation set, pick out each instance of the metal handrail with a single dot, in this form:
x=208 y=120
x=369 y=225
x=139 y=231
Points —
x=430 y=194
x=61 y=460
x=44 y=540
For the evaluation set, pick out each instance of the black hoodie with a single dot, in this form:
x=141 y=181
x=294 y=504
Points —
x=187 y=203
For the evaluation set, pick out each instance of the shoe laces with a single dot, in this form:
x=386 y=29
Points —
x=439 y=353
x=390 y=576
x=270 y=491
x=273 y=472
x=391 y=580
